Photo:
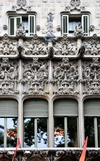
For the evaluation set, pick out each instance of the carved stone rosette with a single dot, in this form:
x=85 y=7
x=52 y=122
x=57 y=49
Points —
x=8 y=76
x=65 y=77
x=91 y=76
x=35 y=77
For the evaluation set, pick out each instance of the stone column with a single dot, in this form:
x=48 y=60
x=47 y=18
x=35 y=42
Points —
x=20 y=108
x=80 y=100
x=50 y=109
x=80 y=108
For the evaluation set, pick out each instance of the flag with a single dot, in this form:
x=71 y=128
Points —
x=83 y=154
x=17 y=146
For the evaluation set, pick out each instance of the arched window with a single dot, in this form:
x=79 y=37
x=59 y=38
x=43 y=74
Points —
x=8 y=122
x=65 y=123
x=35 y=122
x=92 y=121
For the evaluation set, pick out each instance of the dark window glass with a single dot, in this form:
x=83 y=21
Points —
x=89 y=130
x=98 y=120
x=72 y=132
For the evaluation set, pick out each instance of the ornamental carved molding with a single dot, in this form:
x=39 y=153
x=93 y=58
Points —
x=21 y=3
x=34 y=47
x=91 y=76
x=65 y=47
x=92 y=46
x=35 y=77
x=47 y=155
x=8 y=47
x=65 y=77
x=8 y=76
x=75 y=3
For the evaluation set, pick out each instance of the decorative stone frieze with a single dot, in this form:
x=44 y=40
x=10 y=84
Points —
x=47 y=155
x=34 y=47
x=92 y=46
x=91 y=76
x=65 y=77
x=8 y=76
x=65 y=47
x=8 y=47
x=35 y=77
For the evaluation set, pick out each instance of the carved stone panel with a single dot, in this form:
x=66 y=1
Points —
x=34 y=47
x=92 y=46
x=35 y=77
x=91 y=76
x=65 y=47
x=8 y=76
x=8 y=46
x=65 y=77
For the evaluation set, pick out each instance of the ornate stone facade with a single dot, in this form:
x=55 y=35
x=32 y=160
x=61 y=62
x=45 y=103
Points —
x=50 y=65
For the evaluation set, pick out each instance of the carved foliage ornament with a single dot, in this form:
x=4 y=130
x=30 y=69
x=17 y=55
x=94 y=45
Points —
x=65 y=76
x=91 y=76
x=65 y=47
x=20 y=31
x=35 y=76
x=21 y=3
x=35 y=46
x=50 y=34
x=8 y=76
x=7 y=46
x=92 y=46
x=75 y=3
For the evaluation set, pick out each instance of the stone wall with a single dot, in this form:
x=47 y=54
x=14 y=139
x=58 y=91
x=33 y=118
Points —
x=43 y=7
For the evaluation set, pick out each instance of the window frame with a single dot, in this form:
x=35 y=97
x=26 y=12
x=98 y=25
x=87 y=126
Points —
x=32 y=108
x=21 y=16
x=68 y=16
x=91 y=110
x=69 y=110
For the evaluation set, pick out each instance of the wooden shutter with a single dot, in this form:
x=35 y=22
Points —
x=92 y=107
x=12 y=26
x=65 y=107
x=65 y=24
x=35 y=108
x=14 y=23
x=85 y=24
x=31 y=24
x=8 y=108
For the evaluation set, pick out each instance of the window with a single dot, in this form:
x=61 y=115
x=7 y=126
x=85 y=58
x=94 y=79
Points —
x=92 y=121
x=8 y=124
x=35 y=123
x=65 y=123
x=69 y=22
x=28 y=22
